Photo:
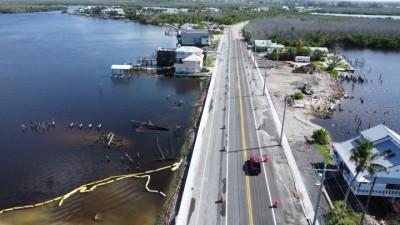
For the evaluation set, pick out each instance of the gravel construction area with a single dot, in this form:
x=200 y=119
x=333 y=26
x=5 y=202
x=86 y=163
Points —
x=281 y=81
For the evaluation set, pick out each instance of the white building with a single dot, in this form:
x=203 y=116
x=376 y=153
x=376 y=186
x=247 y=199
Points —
x=190 y=65
x=387 y=143
x=321 y=49
x=185 y=51
x=267 y=45
x=189 y=60
x=113 y=11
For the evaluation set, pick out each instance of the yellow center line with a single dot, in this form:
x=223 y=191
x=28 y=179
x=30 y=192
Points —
x=248 y=192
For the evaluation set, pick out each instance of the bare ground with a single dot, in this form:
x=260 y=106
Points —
x=281 y=81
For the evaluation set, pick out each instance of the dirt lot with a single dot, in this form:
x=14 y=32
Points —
x=281 y=82
x=326 y=93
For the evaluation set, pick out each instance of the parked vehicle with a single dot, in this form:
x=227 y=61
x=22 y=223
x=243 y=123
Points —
x=255 y=164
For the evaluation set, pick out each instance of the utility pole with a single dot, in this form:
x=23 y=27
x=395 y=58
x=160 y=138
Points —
x=265 y=78
x=321 y=185
x=320 y=192
x=283 y=120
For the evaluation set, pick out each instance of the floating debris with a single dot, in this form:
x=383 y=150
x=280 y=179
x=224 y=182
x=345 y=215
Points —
x=149 y=126
x=179 y=103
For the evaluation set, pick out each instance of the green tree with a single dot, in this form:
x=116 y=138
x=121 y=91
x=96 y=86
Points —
x=333 y=61
x=320 y=136
x=362 y=157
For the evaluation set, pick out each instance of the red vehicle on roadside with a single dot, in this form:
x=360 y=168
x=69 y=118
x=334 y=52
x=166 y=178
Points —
x=255 y=164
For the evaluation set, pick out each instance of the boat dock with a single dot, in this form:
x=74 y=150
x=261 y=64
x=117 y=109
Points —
x=145 y=63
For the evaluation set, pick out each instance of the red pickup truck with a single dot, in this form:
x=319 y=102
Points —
x=255 y=164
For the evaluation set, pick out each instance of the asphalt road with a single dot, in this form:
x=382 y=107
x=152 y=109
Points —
x=224 y=192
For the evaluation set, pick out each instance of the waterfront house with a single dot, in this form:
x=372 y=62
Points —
x=189 y=65
x=266 y=45
x=185 y=51
x=189 y=60
x=113 y=11
x=193 y=37
x=387 y=143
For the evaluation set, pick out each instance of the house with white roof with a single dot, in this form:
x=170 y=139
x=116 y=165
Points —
x=266 y=45
x=185 y=51
x=321 y=49
x=113 y=11
x=189 y=60
x=190 y=65
x=385 y=142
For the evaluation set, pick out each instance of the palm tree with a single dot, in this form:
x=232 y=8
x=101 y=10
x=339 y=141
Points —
x=362 y=157
x=372 y=173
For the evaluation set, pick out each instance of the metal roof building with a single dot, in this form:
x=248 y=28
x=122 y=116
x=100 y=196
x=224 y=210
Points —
x=385 y=142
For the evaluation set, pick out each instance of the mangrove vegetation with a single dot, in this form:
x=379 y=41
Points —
x=326 y=31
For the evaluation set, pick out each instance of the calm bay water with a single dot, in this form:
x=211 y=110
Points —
x=57 y=66
x=381 y=100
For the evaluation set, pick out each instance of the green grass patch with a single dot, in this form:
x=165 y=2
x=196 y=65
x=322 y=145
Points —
x=317 y=63
x=334 y=73
x=209 y=62
x=342 y=65
x=324 y=152
x=349 y=217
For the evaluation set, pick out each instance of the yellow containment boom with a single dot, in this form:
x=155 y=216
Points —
x=85 y=188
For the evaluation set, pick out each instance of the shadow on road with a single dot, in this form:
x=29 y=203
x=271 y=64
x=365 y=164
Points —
x=251 y=149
